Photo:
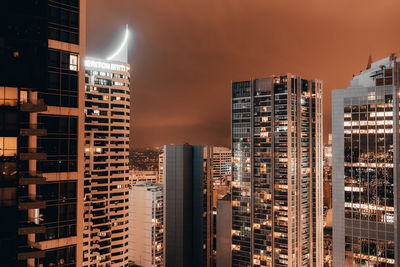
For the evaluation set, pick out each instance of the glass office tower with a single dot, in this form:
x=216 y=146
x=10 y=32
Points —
x=41 y=136
x=277 y=172
x=365 y=130
x=188 y=205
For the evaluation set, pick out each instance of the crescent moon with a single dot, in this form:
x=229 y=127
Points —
x=124 y=42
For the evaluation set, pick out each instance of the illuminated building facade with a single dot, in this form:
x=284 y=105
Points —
x=106 y=194
x=146 y=225
x=41 y=148
x=365 y=167
x=161 y=167
x=328 y=202
x=277 y=172
x=221 y=165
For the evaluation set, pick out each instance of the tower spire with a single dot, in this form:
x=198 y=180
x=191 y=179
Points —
x=369 y=62
x=121 y=54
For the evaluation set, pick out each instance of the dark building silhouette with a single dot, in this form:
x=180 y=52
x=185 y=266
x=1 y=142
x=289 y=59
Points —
x=187 y=207
x=41 y=184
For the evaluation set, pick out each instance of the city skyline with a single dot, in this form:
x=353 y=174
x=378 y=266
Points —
x=211 y=44
x=199 y=133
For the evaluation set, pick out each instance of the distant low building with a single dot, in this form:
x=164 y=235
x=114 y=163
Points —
x=222 y=165
x=143 y=177
x=144 y=159
x=161 y=167
x=223 y=231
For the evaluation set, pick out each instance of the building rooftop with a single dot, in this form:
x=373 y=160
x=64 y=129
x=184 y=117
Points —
x=375 y=71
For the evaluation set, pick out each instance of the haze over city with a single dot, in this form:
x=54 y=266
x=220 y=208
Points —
x=186 y=53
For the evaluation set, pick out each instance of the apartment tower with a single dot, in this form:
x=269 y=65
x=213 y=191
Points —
x=146 y=225
x=106 y=194
x=365 y=167
x=277 y=172
x=42 y=44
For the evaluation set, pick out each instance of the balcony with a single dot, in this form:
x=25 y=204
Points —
x=32 y=130
x=33 y=106
x=30 y=253
x=31 y=177
x=31 y=202
x=31 y=228
x=32 y=154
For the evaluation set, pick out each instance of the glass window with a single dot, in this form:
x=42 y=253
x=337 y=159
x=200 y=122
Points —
x=8 y=146
x=8 y=96
x=23 y=96
x=73 y=62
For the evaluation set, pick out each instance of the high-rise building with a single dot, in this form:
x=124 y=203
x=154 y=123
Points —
x=188 y=206
x=277 y=172
x=146 y=225
x=365 y=168
x=41 y=132
x=106 y=195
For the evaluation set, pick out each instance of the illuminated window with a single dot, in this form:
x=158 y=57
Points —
x=23 y=96
x=73 y=62
x=8 y=146
x=8 y=96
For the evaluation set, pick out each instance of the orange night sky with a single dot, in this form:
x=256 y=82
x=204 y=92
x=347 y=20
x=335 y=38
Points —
x=186 y=53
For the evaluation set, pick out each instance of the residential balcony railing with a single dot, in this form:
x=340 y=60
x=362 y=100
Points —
x=33 y=106
x=32 y=130
x=31 y=177
x=31 y=228
x=31 y=202
x=35 y=153
x=25 y=253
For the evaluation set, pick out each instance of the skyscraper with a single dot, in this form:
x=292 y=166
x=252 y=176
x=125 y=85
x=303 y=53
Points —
x=41 y=132
x=188 y=203
x=366 y=167
x=107 y=116
x=277 y=172
x=146 y=225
